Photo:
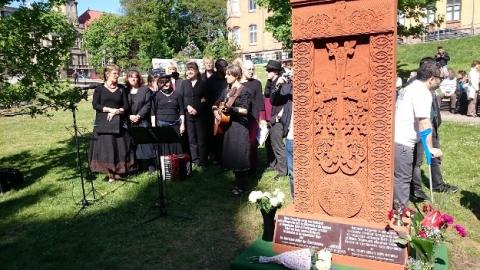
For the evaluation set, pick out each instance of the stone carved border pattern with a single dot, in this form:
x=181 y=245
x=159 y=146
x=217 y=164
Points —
x=381 y=125
x=340 y=21
x=303 y=125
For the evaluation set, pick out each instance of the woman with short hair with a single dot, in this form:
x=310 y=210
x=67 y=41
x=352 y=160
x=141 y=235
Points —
x=110 y=150
x=196 y=114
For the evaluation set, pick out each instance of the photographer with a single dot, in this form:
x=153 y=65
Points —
x=442 y=59
x=278 y=90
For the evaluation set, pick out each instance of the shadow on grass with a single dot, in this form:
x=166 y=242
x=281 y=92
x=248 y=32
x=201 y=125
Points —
x=471 y=201
x=111 y=234
x=34 y=166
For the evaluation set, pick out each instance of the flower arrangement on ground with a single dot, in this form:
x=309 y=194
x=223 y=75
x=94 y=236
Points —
x=427 y=230
x=302 y=259
x=267 y=201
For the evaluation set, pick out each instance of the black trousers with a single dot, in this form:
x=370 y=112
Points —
x=197 y=139
x=418 y=154
x=278 y=148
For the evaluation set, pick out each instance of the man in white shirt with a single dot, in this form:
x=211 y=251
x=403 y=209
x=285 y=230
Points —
x=448 y=88
x=413 y=110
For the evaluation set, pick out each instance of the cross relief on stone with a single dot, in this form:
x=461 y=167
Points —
x=341 y=109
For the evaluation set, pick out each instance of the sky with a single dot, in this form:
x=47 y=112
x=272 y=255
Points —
x=112 y=6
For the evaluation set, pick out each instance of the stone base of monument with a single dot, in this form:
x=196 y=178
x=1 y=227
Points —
x=264 y=248
x=353 y=242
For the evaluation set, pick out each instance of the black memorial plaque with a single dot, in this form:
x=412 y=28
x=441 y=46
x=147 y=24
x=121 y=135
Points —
x=343 y=239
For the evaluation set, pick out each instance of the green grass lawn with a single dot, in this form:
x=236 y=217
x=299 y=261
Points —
x=41 y=226
x=462 y=52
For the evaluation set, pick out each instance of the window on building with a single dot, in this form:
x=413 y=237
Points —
x=429 y=16
x=236 y=35
x=234 y=7
x=454 y=8
x=252 y=5
x=401 y=18
x=253 y=33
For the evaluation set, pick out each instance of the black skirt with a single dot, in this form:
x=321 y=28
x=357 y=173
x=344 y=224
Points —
x=143 y=151
x=236 y=148
x=165 y=149
x=111 y=153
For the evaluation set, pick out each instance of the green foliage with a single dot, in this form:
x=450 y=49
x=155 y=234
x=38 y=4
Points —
x=35 y=44
x=221 y=48
x=191 y=51
x=161 y=29
x=279 y=23
x=108 y=39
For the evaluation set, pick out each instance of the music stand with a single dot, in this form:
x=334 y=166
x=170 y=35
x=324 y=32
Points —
x=156 y=135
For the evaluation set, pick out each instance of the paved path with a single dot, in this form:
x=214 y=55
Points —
x=458 y=118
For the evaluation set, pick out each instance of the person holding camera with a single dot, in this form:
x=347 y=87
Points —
x=278 y=92
x=442 y=59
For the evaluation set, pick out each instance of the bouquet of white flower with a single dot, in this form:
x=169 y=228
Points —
x=267 y=201
x=302 y=259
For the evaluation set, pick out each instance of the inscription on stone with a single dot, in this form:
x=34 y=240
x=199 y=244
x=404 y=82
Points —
x=344 y=239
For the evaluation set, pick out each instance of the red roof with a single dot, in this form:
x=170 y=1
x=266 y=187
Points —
x=89 y=16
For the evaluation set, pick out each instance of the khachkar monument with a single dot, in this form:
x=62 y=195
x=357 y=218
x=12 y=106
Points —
x=344 y=100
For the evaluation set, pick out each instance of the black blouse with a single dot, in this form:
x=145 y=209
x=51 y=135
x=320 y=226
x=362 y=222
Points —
x=167 y=108
x=140 y=102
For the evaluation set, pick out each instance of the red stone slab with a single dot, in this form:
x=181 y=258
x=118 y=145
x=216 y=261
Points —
x=344 y=92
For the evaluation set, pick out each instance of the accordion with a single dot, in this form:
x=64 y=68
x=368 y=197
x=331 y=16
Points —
x=175 y=167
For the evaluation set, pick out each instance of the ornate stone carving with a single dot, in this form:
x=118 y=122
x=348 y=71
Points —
x=341 y=115
x=382 y=66
x=344 y=18
x=336 y=200
x=303 y=106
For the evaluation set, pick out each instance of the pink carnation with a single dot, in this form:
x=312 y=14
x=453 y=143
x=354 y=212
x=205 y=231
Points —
x=447 y=219
x=390 y=214
x=460 y=230
x=422 y=234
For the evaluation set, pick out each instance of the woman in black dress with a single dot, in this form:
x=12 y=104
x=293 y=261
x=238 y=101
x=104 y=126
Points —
x=110 y=150
x=236 y=145
x=139 y=100
x=194 y=94
x=167 y=111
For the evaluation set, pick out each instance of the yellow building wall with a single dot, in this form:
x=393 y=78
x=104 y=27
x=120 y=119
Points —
x=245 y=18
x=470 y=10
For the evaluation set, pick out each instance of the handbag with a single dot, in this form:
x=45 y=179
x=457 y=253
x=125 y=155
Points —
x=103 y=126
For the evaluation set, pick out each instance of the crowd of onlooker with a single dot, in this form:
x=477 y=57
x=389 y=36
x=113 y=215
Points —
x=223 y=113
x=418 y=115
x=193 y=107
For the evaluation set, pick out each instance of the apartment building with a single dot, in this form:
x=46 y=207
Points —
x=460 y=18
x=246 y=28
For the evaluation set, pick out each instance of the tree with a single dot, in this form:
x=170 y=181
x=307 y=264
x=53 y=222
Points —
x=108 y=39
x=35 y=43
x=221 y=48
x=280 y=22
x=163 y=28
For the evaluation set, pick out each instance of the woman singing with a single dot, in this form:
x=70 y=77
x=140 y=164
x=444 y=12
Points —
x=236 y=145
x=110 y=150
x=139 y=100
x=167 y=111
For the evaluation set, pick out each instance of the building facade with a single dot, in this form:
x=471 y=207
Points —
x=78 y=56
x=460 y=18
x=246 y=28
